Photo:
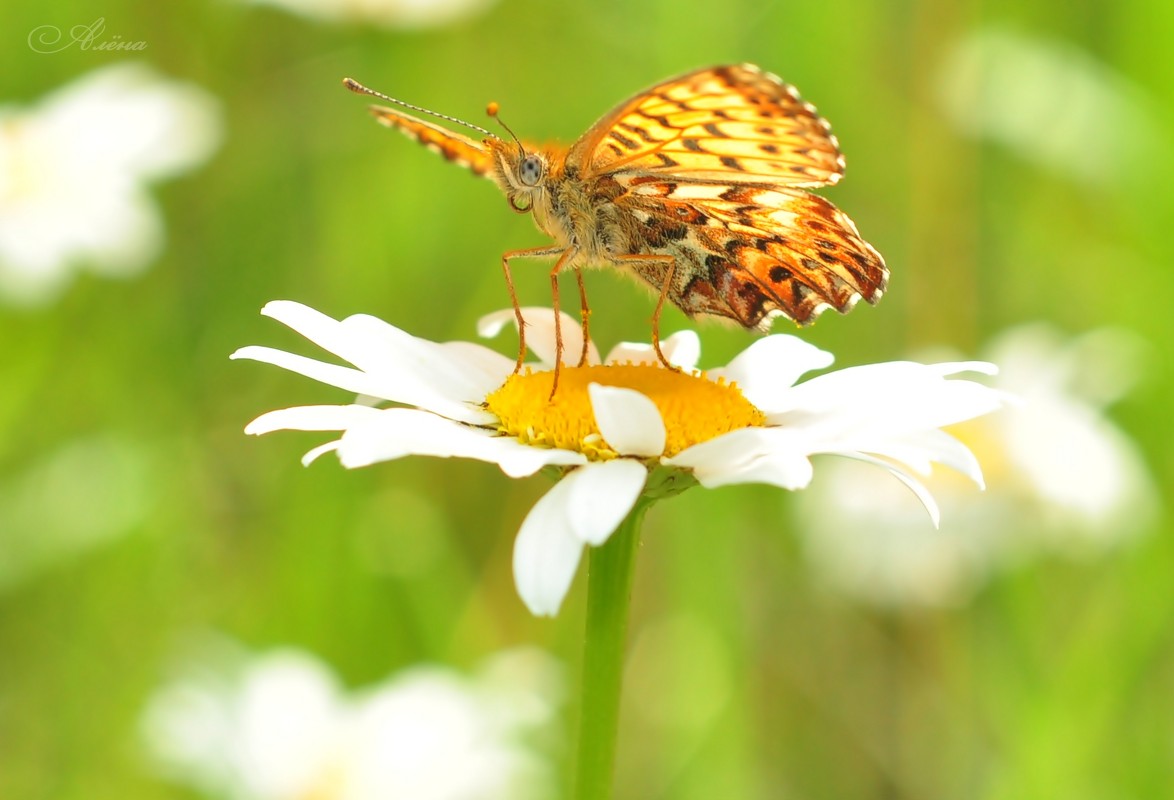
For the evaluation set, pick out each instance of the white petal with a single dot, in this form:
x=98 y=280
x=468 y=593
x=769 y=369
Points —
x=352 y=380
x=631 y=352
x=540 y=339
x=734 y=449
x=489 y=361
x=311 y=418
x=585 y=507
x=491 y=324
x=892 y=411
x=948 y=368
x=455 y=370
x=921 y=449
x=450 y=380
x=892 y=398
x=749 y=455
x=313 y=454
x=319 y=328
x=547 y=552
x=788 y=471
x=518 y=460
x=398 y=432
x=917 y=487
x=682 y=349
x=770 y=366
x=392 y=364
x=601 y=495
x=628 y=420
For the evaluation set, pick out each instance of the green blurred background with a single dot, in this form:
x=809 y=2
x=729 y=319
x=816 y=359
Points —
x=1056 y=680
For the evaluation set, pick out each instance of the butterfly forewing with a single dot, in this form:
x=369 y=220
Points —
x=715 y=164
x=711 y=124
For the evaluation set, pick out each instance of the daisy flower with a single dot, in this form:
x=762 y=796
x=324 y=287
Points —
x=622 y=431
x=1061 y=478
x=74 y=171
x=281 y=726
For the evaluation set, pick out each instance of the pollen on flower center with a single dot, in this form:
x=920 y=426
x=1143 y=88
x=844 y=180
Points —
x=694 y=408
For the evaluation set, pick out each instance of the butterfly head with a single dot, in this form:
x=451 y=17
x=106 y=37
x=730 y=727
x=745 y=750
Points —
x=520 y=173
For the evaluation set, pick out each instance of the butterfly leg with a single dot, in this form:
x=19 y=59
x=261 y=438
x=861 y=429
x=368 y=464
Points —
x=533 y=252
x=670 y=265
x=558 y=327
x=584 y=315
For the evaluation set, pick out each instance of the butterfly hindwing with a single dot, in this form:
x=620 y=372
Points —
x=748 y=252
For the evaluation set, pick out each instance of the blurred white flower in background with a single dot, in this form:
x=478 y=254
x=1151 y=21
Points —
x=86 y=493
x=281 y=727
x=74 y=171
x=405 y=14
x=1061 y=478
x=1051 y=103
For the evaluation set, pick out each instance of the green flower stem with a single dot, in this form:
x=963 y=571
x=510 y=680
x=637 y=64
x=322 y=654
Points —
x=609 y=592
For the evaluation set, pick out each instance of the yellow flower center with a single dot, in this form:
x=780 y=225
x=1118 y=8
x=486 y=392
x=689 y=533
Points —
x=693 y=407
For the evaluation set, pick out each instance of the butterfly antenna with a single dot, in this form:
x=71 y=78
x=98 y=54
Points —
x=492 y=110
x=359 y=88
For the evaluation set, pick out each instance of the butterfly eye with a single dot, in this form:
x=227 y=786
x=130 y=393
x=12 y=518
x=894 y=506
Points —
x=530 y=170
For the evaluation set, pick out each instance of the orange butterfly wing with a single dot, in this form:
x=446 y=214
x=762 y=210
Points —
x=714 y=164
x=707 y=124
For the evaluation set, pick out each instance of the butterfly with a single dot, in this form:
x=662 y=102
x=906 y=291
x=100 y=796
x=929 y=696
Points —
x=697 y=185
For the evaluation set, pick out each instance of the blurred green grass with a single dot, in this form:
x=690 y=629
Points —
x=1057 y=680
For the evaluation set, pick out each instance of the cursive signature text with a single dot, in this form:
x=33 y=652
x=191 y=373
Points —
x=51 y=39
